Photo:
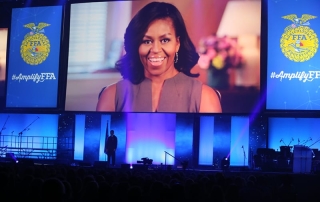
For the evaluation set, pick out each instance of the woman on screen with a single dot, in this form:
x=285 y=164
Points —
x=156 y=67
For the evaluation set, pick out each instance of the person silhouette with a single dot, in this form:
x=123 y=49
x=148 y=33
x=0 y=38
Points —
x=111 y=146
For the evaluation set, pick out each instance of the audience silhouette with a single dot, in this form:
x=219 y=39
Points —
x=82 y=184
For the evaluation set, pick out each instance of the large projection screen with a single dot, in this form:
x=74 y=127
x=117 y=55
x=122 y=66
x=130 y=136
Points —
x=96 y=45
x=34 y=57
x=292 y=79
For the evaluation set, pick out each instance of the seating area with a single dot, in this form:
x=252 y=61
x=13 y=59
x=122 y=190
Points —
x=76 y=183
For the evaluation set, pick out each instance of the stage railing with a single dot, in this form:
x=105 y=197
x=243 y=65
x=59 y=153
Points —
x=39 y=147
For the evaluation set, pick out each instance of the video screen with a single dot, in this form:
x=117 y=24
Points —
x=292 y=55
x=34 y=57
x=228 y=64
x=3 y=55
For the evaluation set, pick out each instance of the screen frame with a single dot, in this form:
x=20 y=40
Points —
x=255 y=108
x=264 y=70
x=62 y=59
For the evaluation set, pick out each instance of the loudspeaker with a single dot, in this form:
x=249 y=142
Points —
x=26 y=162
x=317 y=168
x=140 y=167
x=10 y=155
x=11 y=158
x=100 y=164
x=85 y=164
x=61 y=162
x=125 y=166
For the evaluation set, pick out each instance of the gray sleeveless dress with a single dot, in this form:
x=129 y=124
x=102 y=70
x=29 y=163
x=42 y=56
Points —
x=180 y=93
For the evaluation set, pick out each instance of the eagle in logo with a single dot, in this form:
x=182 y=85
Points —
x=297 y=22
x=36 y=29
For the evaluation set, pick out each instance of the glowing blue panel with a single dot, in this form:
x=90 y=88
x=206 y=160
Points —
x=206 y=140
x=79 y=137
x=184 y=137
x=239 y=141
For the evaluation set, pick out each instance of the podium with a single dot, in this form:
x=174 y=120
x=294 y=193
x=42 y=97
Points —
x=302 y=159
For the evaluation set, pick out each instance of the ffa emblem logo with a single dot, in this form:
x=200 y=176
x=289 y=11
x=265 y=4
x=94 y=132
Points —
x=35 y=46
x=299 y=42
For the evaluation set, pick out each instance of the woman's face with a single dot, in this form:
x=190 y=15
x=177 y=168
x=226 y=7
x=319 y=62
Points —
x=158 y=48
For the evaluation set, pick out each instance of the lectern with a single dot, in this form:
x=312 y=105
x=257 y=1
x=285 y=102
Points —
x=302 y=159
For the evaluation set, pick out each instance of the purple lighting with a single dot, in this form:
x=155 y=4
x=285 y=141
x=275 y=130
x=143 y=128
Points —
x=149 y=135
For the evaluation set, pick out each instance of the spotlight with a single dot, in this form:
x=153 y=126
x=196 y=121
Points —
x=225 y=163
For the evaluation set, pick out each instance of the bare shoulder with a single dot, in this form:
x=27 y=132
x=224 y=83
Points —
x=106 y=100
x=210 y=101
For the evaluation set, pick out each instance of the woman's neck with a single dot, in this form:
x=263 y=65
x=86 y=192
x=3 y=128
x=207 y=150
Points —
x=159 y=79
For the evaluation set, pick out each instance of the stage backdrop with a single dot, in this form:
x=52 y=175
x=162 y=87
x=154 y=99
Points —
x=293 y=131
x=29 y=135
x=165 y=138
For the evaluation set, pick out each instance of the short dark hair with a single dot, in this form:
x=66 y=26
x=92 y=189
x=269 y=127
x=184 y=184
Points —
x=130 y=65
x=111 y=131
